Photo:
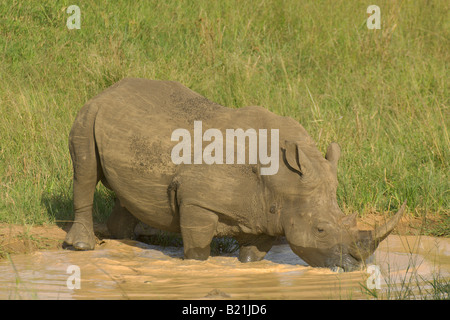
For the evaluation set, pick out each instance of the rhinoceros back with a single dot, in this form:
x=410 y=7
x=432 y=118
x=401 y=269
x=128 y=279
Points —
x=133 y=129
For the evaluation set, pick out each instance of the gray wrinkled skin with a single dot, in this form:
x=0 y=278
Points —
x=122 y=137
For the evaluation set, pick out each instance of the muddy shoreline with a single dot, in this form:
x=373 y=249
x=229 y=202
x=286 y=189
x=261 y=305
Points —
x=408 y=267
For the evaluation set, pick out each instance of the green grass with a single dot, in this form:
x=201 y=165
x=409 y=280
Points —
x=382 y=94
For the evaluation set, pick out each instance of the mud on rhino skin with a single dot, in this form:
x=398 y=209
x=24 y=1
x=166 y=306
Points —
x=122 y=137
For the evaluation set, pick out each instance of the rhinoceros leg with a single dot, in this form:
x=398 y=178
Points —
x=121 y=223
x=254 y=248
x=197 y=230
x=86 y=174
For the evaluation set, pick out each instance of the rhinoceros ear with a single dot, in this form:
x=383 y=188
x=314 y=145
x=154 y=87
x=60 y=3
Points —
x=296 y=159
x=333 y=153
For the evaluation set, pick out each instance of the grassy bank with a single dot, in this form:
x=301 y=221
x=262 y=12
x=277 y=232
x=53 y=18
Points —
x=382 y=94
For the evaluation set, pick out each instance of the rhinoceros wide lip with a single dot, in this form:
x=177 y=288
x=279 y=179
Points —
x=349 y=263
x=331 y=258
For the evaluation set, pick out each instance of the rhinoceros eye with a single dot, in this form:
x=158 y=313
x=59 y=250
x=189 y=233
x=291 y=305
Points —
x=321 y=229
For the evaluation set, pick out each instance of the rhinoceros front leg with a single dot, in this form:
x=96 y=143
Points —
x=121 y=223
x=254 y=247
x=198 y=226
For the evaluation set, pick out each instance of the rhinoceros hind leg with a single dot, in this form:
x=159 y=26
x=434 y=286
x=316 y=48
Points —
x=254 y=248
x=198 y=226
x=121 y=223
x=87 y=173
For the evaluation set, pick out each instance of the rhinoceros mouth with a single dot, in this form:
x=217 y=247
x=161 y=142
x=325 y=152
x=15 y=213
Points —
x=348 y=263
x=343 y=259
x=332 y=258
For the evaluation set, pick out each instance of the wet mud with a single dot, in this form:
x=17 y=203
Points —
x=133 y=270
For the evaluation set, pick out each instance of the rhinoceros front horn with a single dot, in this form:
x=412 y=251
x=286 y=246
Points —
x=368 y=240
x=382 y=232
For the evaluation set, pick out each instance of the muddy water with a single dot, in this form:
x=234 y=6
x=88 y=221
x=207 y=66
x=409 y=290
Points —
x=133 y=270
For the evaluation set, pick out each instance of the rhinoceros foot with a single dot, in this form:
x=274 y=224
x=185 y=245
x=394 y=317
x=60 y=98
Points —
x=80 y=237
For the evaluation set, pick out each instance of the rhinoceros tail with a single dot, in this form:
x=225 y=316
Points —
x=172 y=194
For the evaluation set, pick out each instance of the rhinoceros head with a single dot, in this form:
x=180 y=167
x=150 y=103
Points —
x=314 y=225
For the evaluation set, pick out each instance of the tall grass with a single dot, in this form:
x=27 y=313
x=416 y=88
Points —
x=411 y=285
x=382 y=94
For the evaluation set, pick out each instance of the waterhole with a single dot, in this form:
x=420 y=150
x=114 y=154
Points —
x=405 y=267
